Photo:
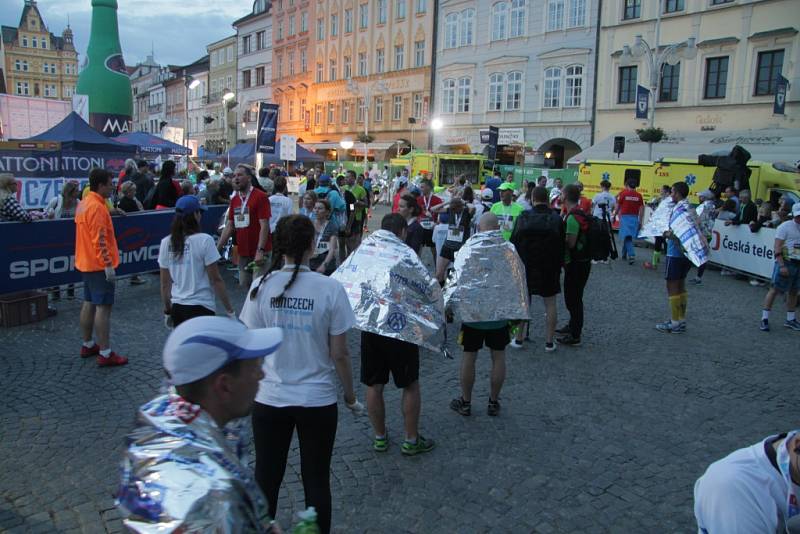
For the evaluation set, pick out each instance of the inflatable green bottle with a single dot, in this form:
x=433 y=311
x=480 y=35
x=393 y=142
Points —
x=104 y=78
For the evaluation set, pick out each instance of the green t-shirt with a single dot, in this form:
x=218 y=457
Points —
x=507 y=215
x=573 y=227
x=361 y=194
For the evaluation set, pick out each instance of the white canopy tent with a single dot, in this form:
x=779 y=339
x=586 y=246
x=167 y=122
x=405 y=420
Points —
x=768 y=145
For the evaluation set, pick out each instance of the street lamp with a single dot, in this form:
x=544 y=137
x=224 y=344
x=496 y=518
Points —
x=437 y=124
x=190 y=83
x=227 y=97
x=655 y=60
x=366 y=91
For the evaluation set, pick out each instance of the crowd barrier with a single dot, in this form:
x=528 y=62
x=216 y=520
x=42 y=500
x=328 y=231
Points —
x=739 y=249
x=41 y=254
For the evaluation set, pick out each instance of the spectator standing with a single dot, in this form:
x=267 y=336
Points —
x=167 y=189
x=506 y=210
x=279 y=202
x=97 y=257
x=604 y=202
x=248 y=216
x=63 y=206
x=210 y=195
x=555 y=194
x=226 y=185
x=307 y=204
x=660 y=245
x=677 y=267
x=747 y=211
x=577 y=266
x=410 y=211
x=494 y=183
x=630 y=209
x=128 y=203
x=143 y=180
x=299 y=389
x=10 y=208
x=188 y=262
x=326 y=191
x=732 y=194
x=484 y=205
x=786 y=273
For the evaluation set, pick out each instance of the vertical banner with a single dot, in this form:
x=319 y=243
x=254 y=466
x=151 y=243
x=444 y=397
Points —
x=490 y=138
x=642 y=102
x=288 y=148
x=267 y=127
x=781 y=88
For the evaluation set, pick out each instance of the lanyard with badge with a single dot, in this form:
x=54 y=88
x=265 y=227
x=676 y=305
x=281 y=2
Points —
x=507 y=219
x=241 y=215
x=427 y=222
x=322 y=246
x=792 y=506
x=794 y=252
x=455 y=233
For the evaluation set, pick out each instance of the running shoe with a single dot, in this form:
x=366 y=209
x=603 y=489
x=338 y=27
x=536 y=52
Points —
x=563 y=330
x=461 y=406
x=493 y=408
x=648 y=265
x=764 y=326
x=667 y=328
x=88 y=353
x=111 y=361
x=514 y=344
x=631 y=260
x=569 y=340
x=757 y=283
x=422 y=445
x=793 y=324
x=550 y=347
x=381 y=444
x=697 y=281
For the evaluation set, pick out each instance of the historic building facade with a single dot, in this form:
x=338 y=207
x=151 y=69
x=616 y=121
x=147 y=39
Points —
x=254 y=66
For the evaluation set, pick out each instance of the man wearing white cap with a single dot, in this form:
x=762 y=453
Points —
x=752 y=490
x=183 y=470
x=786 y=274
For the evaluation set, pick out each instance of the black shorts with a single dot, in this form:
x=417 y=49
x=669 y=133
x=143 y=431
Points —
x=184 y=312
x=544 y=283
x=427 y=238
x=449 y=252
x=676 y=268
x=381 y=355
x=473 y=339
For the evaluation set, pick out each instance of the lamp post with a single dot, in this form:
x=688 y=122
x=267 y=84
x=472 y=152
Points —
x=655 y=60
x=227 y=96
x=367 y=90
x=346 y=144
x=189 y=83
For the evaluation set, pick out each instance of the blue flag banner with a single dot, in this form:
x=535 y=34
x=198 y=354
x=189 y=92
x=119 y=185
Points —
x=267 y=127
x=42 y=254
x=642 y=102
x=781 y=88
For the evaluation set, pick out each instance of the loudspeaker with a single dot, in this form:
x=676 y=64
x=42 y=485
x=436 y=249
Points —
x=619 y=144
x=633 y=177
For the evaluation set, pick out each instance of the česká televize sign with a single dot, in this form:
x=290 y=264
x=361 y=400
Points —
x=736 y=247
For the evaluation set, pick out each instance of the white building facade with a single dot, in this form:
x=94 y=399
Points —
x=254 y=67
x=525 y=66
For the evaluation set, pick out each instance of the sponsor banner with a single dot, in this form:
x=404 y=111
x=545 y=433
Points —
x=110 y=124
x=736 y=247
x=491 y=136
x=642 y=102
x=41 y=254
x=267 y=127
x=781 y=87
x=511 y=136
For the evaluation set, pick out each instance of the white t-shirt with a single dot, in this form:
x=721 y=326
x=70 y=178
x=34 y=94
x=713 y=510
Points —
x=280 y=206
x=789 y=232
x=301 y=372
x=190 y=284
x=603 y=197
x=741 y=494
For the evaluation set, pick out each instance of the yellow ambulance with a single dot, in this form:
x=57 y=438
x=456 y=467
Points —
x=443 y=169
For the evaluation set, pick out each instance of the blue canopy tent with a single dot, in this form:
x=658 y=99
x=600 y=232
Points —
x=246 y=153
x=302 y=155
x=75 y=134
x=203 y=153
x=241 y=153
x=151 y=144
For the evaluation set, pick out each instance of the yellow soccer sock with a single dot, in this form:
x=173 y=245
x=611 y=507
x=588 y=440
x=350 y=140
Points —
x=675 y=308
x=684 y=302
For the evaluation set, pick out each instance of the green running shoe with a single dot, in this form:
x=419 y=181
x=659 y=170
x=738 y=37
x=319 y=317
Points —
x=381 y=444
x=422 y=445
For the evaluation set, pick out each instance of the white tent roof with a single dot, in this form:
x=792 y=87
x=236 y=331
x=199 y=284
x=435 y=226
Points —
x=768 y=145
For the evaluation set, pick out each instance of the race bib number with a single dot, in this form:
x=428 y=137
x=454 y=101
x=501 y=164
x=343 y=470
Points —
x=508 y=223
x=322 y=248
x=241 y=217
x=794 y=253
x=427 y=224
x=455 y=234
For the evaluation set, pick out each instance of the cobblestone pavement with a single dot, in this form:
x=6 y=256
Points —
x=608 y=437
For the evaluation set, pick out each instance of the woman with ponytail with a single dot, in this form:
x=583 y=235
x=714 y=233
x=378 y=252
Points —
x=188 y=261
x=299 y=388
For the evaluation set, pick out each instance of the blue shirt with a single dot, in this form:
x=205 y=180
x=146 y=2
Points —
x=332 y=196
x=493 y=184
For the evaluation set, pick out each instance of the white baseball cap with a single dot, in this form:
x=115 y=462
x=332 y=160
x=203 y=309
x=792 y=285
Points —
x=200 y=346
x=796 y=209
x=487 y=194
x=227 y=170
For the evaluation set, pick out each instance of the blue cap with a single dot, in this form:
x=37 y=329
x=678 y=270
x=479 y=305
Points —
x=188 y=204
x=324 y=180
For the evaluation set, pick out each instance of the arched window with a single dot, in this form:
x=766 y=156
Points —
x=573 y=88
x=514 y=91
x=499 y=21
x=552 y=87
x=451 y=30
x=496 y=92
x=467 y=27
x=464 y=94
x=517 y=18
x=448 y=95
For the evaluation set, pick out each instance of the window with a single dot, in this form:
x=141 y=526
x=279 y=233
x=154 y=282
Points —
x=400 y=9
x=319 y=75
x=246 y=79
x=50 y=90
x=419 y=53
x=290 y=60
x=318 y=114
x=626 y=93
x=303 y=61
x=348 y=21
x=303 y=22
x=418 y=105
x=464 y=94
x=451 y=30
x=278 y=66
x=552 y=87
x=44 y=45
x=449 y=96
x=770 y=64
x=421 y=6
x=23 y=88
x=261 y=40
x=332 y=70
x=397 y=108
x=345 y=112
x=577 y=14
x=361 y=110
x=378 y=109
x=381 y=11
x=291 y=26
x=399 y=53
x=720 y=2
x=231 y=54
x=260 y=79
x=517 y=18
x=25 y=44
x=671 y=6
x=573 y=88
x=291 y=109
x=633 y=10
x=334 y=25
x=555 y=15
x=495 y=92
x=467 y=27
x=379 y=60
x=499 y=21
x=321 y=29
x=670 y=76
x=34 y=42
x=347 y=67
x=280 y=32
x=362 y=64
x=363 y=16
x=514 y=91
x=331 y=113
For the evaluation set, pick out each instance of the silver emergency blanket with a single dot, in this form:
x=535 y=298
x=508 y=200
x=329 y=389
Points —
x=685 y=225
x=391 y=292
x=182 y=473
x=659 y=220
x=488 y=281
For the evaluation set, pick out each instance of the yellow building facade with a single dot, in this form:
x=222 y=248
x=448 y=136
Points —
x=37 y=62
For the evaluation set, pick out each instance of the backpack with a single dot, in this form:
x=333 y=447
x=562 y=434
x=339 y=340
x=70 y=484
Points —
x=597 y=238
x=323 y=194
x=538 y=237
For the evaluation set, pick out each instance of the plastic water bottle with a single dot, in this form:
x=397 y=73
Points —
x=308 y=522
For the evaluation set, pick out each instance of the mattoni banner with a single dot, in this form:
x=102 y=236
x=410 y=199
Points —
x=736 y=247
